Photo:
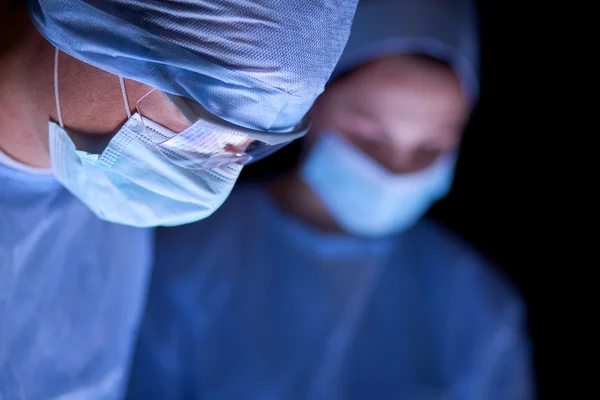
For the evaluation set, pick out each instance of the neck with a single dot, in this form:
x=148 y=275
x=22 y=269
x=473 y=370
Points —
x=26 y=99
x=296 y=197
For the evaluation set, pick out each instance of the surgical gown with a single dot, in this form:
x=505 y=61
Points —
x=254 y=304
x=72 y=290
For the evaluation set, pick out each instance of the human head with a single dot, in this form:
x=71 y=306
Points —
x=249 y=69
x=415 y=66
x=387 y=129
x=92 y=105
x=401 y=110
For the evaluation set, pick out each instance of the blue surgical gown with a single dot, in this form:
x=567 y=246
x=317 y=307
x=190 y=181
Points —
x=253 y=304
x=72 y=290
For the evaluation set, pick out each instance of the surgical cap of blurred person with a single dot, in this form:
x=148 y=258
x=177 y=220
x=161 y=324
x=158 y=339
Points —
x=259 y=64
x=443 y=29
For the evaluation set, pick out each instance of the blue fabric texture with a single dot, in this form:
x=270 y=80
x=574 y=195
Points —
x=71 y=293
x=254 y=304
x=445 y=29
x=258 y=63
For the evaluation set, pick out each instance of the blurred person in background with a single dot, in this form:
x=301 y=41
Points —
x=117 y=115
x=327 y=282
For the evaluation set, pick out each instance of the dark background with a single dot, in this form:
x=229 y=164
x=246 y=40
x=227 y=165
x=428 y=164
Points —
x=496 y=199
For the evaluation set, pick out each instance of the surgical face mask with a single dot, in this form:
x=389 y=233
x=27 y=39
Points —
x=134 y=183
x=363 y=197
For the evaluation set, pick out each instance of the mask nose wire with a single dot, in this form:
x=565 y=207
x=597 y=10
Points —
x=56 y=93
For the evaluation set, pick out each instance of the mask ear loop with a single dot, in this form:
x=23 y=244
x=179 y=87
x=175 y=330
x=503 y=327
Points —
x=124 y=93
x=56 y=93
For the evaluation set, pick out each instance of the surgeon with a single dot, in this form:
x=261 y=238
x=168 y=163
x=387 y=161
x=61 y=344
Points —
x=118 y=115
x=327 y=283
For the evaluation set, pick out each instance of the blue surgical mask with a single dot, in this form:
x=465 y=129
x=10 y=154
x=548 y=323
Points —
x=363 y=197
x=133 y=183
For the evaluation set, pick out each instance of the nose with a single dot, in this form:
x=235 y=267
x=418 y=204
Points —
x=411 y=153
x=408 y=161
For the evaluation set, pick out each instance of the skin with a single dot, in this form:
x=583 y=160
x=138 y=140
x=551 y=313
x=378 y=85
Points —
x=91 y=101
x=403 y=111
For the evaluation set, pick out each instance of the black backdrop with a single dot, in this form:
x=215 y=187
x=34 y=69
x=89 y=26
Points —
x=496 y=196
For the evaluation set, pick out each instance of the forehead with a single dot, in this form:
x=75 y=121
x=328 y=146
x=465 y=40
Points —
x=402 y=87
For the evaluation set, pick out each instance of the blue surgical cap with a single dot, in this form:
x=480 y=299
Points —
x=256 y=63
x=444 y=29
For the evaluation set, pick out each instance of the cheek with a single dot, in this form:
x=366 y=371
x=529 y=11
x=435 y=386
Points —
x=91 y=99
x=135 y=91
x=156 y=107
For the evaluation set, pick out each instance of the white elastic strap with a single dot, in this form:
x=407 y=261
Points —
x=124 y=93
x=56 y=96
